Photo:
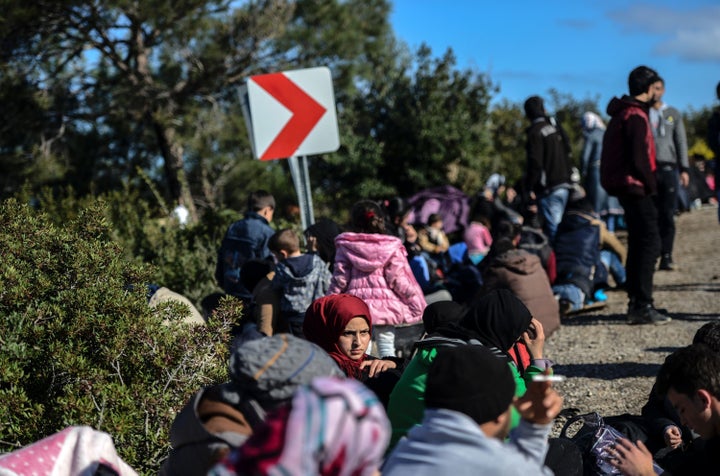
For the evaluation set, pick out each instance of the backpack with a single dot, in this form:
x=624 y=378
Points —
x=593 y=436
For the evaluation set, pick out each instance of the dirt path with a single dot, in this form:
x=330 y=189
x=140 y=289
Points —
x=611 y=366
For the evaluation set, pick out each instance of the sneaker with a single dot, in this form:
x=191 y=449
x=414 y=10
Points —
x=566 y=307
x=666 y=263
x=647 y=315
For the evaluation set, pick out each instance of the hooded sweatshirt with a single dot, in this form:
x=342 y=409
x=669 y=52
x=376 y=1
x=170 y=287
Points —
x=450 y=442
x=522 y=273
x=375 y=268
x=301 y=280
x=627 y=165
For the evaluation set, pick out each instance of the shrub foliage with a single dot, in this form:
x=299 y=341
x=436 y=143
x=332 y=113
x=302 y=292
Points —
x=79 y=344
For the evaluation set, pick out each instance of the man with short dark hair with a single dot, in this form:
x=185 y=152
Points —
x=468 y=395
x=548 y=169
x=690 y=377
x=672 y=158
x=244 y=240
x=627 y=170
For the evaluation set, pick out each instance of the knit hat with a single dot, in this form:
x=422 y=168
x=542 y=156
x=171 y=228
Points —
x=534 y=107
x=270 y=369
x=472 y=380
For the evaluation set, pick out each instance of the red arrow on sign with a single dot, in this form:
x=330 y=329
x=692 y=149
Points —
x=306 y=113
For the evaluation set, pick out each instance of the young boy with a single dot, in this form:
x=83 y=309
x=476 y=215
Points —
x=299 y=278
x=689 y=378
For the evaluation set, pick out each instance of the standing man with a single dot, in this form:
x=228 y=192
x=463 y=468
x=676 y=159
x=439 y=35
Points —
x=548 y=165
x=714 y=143
x=244 y=240
x=627 y=170
x=672 y=155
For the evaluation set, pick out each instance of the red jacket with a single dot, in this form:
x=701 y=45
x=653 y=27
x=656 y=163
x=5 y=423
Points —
x=627 y=165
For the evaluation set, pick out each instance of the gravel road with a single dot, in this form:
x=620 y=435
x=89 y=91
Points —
x=610 y=365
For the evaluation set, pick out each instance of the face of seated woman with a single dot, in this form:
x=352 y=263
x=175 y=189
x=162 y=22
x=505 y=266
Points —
x=354 y=340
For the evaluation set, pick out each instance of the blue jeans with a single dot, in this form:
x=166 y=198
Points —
x=614 y=265
x=570 y=293
x=552 y=207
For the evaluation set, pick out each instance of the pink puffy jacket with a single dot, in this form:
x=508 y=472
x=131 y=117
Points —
x=375 y=268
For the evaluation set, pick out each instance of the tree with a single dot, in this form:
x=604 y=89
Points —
x=507 y=129
x=140 y=76
x=419 y=123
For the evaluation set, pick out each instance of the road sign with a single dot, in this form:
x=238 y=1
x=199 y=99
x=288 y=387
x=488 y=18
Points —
x=291 y=113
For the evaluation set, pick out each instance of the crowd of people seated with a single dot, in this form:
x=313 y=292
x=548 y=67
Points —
x=386 y=346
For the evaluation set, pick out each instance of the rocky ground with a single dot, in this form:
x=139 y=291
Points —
x=610 y=365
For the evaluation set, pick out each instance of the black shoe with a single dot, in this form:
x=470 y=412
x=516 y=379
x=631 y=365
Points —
x=666 y=263
x=646 y=315
x=565 y=307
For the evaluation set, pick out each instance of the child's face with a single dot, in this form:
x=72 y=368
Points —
x=694 y=412
x=438 y=225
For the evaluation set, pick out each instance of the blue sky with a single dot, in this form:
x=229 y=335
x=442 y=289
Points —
x=582 y=48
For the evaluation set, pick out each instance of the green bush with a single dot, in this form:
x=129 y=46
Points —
x=80 y=345
x=183 y=259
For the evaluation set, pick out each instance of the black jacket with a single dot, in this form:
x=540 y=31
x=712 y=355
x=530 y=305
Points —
x=548 y=157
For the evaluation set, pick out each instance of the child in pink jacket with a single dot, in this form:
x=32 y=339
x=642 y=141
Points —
x=373 y=266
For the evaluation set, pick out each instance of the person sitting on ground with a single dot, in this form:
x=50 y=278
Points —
x=477 y=237
x=520 y=271
x=577 y=251
x=264 y=374
x=299 y=278
x=434 y=242
x=497 y=320
x=469 y=394
x=341 y=324
x=501 y=198
x=373 y=266
x=689 y=379
x=331 y=427
x=659 y=426
x=441 y=314
x=320 y=238
x=263 y=309
x=245 y=239
x=534 y=240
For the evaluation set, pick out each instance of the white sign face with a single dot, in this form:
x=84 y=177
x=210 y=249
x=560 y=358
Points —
x=292 y=114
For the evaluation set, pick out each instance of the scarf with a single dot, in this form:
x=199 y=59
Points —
x=441 y=313
x=332 y=427
x=497 y=320
x=325 y=321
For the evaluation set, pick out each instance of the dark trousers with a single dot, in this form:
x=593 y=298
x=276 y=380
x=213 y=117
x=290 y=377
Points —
x=641 y=218
x=666 y=201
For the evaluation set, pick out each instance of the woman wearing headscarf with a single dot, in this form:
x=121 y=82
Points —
x=332 y=428
x=498 y=320
x=341 y=324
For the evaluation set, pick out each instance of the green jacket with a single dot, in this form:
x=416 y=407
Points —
x=407 y=400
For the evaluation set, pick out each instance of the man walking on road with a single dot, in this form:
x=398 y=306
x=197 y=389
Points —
x=672 y=155
x=627 y=170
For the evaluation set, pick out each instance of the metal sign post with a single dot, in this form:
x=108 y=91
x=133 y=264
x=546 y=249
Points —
x=301 y=180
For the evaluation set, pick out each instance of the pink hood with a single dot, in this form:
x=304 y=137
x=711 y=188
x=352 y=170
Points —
x=375 y=268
